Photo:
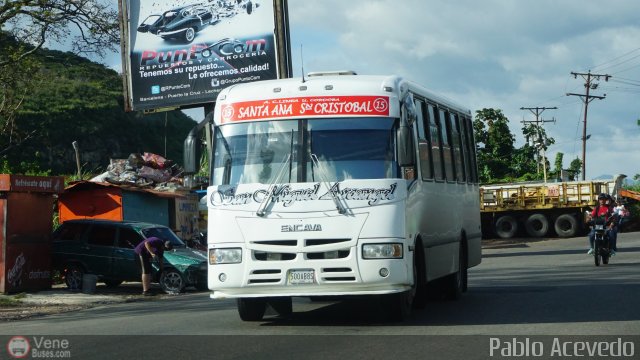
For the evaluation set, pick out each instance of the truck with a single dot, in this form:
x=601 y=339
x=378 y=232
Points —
x=541 y=209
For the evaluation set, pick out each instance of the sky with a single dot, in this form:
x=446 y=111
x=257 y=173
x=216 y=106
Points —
x=501 y=54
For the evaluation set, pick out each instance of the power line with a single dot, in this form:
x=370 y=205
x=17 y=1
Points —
x=625 y=79
x=627 y=82
x=620 y=63
x=616 y=58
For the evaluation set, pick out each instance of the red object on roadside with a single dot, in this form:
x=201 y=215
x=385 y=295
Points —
x=153 y=160
x=26 y=223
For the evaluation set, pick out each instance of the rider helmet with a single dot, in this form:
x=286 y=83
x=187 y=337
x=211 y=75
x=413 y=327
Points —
x=602 y=196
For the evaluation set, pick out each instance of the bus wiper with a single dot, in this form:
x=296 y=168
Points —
x=262 y=209
x=341 y=208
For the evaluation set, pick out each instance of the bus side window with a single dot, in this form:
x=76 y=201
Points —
x=424 y=149
x=456 y=144
x=447 y=150
x=436 y=143
x=464 y=146
x=471 y=146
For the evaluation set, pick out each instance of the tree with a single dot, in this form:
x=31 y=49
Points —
x=523 y=163
x=495 y=144
x=89 y=26
x=557 y=170
x=82 y=100
x=537 y=136
x=575 y=168
x=15 y=85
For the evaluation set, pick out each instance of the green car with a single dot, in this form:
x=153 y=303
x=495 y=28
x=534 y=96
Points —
x=106 y=249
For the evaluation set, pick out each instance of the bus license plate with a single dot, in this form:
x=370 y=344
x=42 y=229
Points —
x=297 y=277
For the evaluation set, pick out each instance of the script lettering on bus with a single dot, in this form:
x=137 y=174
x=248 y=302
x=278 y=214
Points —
x=371 y=195
x=287 y=196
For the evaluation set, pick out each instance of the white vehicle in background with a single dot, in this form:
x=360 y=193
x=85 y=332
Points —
x=340 y=185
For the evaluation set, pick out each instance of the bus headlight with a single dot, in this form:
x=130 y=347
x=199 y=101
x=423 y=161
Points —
x=382 y=251
x=225 y=256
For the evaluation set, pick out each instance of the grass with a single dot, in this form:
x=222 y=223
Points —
x=9 y=301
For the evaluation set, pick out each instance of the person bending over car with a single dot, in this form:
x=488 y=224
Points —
x=150 y=248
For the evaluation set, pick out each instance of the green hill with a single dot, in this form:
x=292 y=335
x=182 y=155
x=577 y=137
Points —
x=76 y=99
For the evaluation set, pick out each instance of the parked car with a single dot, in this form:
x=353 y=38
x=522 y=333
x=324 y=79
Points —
x=183 y=23
x=106 y=249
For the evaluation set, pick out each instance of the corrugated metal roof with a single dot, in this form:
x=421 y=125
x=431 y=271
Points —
x=84 y=185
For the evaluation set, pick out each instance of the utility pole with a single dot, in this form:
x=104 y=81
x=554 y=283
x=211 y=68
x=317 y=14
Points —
x=586 y=98
x=537 y=111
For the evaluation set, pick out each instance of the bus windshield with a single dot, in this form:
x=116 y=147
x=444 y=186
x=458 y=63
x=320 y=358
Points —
x=281 y=151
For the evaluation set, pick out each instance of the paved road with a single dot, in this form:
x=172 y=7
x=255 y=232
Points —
x=538 y=288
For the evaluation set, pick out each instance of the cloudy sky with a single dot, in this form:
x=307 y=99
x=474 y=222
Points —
x=503 y=54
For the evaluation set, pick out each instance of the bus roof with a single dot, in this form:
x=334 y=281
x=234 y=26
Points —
x=342 y=85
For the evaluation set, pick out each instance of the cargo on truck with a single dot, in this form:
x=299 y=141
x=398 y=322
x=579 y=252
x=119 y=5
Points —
x=541 y=209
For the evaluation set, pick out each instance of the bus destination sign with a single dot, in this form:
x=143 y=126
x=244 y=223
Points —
x=306 y=106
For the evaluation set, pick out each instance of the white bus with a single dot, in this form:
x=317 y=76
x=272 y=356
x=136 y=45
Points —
x=340 y=185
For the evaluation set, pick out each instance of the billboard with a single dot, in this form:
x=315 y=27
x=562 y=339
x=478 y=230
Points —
x=184 y=52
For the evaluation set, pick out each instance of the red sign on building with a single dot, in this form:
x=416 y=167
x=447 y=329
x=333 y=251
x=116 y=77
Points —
x=23 y=183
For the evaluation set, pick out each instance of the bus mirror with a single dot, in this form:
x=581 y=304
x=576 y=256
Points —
x=191 y=155
x=409 y=109
x=406 y=154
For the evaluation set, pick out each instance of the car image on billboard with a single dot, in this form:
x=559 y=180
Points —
x=183 y=23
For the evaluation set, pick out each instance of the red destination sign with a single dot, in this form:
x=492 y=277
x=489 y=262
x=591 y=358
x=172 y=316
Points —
x=306 y=106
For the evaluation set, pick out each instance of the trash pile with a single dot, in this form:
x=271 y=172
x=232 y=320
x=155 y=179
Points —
x=143 y=170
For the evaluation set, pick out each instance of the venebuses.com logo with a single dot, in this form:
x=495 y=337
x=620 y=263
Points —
x=18 y=347
x=39 y=347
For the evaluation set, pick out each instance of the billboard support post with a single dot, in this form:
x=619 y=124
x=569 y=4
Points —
x=282 y=38
x=124 y=51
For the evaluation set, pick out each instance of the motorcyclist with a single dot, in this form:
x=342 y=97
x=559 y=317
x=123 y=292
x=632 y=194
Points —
x=603 y=209
x=615 y=224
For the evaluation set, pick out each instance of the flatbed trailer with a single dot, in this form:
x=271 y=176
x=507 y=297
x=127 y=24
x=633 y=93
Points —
x=541 y=209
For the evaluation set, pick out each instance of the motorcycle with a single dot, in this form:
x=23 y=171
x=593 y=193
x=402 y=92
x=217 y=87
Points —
x=602 y=245
x=198 y=241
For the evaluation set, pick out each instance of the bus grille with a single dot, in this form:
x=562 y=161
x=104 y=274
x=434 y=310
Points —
x=338 y=274
x=273 y=256
x=265 y=276
x=336 y=254
x=316 y=242
x=277 y=242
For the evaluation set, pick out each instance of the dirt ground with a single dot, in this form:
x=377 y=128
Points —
x=59 y=300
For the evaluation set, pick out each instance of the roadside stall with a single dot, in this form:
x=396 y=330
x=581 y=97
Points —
x=26 y=223
x=98 y=200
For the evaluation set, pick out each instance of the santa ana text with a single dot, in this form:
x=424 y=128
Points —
x=526 y=347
